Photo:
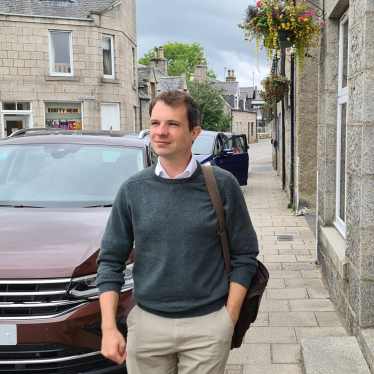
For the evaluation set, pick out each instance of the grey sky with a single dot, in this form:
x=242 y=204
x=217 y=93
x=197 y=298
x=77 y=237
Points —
x=213 y=24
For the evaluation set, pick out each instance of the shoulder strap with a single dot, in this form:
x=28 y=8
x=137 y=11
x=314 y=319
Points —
x=215 y=196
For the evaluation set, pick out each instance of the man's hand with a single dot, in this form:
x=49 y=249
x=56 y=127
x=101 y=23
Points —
x=113 y=346
x=234 y=303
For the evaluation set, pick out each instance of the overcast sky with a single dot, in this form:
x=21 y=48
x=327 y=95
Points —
x=211 y=23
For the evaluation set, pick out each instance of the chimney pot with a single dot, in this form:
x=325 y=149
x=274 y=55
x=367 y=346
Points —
x=232 y=74
x=161 y=50
x=255 y=88
x=203 y=61
x=198 y=61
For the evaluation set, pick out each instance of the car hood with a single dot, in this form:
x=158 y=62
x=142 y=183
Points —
x=50 y=243
x=202 y=158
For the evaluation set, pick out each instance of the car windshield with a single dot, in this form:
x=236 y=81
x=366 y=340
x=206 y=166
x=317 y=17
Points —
x=65 y=175
x=203 y=145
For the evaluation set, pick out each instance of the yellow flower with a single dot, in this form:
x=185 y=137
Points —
x=292 y=19
x=279 y=27
x=281 y=16
x=276 y=8
x=283 y=25
x=306 y=20
x=288 y=39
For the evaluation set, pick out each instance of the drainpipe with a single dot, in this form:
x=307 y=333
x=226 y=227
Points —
x=140 y=115
x=292 y=129
x=283 y=72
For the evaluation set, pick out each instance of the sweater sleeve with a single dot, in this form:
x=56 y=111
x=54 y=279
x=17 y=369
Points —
x=116 y=246
x=241 y=234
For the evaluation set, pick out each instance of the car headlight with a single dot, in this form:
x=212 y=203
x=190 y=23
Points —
x=85 y=287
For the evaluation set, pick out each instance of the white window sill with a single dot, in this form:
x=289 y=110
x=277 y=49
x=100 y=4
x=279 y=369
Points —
x=335 y=246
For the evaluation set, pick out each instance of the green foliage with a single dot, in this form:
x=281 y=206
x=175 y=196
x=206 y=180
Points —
x=212 y=104
x=182 y=58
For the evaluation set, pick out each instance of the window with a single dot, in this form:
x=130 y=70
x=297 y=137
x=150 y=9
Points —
x=16 y=115
x=134 y=114
x=108 y=56
x=252 y=130
x=236 y=102
x=110 y=116
x=61 y=53
x=341 y=133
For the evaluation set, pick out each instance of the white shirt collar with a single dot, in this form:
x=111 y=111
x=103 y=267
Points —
x=192 y=166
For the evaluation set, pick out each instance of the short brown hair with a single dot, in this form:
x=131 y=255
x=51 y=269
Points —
x=175 y=98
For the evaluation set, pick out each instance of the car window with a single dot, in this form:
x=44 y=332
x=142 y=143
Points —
x=65 y=175
x=203 y=145
x=237 y=144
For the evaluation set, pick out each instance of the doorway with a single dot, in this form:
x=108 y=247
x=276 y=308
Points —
x=15 y=123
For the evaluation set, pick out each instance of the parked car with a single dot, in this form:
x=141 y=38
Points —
x=56 y=193
x=228 y=151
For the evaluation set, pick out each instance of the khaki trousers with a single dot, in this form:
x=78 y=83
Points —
x=198 y=345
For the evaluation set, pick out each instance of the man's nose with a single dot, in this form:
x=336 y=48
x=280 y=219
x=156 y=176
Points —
x=162 y=129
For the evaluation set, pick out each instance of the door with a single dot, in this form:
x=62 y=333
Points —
x=110 y=116
x=237 y=162
x=13 y=124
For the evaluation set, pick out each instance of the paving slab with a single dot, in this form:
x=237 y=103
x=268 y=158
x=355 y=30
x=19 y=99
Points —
x=333 y=356
x=261 y=320
x=250 y=354
x=319 y=332
x=318 y=293
x=284 y=274
x=286 y=353
x=274 y=306
x=292 y=283
x=273 y=369
x=276 y=283
x=287 y=294
x=299 y=266
x=269 y=335
x=328 y=319
x=280 y=258
x=292 y=319
x=366 y=339
x=311 y=305
x=315 y=273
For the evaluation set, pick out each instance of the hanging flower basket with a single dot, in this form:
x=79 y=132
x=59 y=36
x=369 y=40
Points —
x=276 y=88
x=275 y=24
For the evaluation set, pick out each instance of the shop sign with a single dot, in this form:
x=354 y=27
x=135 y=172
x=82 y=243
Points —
x=86 y=97
x=63 y=110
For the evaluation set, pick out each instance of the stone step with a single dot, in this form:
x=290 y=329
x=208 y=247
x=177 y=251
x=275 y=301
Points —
x=333 y=356
x=366 y=340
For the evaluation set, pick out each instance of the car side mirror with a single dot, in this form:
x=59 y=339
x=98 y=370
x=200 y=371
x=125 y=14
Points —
x=227 y=152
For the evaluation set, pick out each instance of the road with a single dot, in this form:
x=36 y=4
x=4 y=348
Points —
x=259 y=150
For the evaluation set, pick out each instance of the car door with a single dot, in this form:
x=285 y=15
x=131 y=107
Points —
x=236 y=163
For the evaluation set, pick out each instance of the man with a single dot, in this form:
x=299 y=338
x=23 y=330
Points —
x=186 y=311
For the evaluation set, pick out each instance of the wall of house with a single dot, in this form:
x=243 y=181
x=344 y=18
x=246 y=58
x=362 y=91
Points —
x=347 y=263
x=241 y=124
x=25 y=72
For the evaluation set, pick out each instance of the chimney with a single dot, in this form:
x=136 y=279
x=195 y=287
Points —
x=200 y=70
x=231 y=77
x=255 y=88
x=161 y=54
x=203 y=61
x=159 y=61
x=198 y=61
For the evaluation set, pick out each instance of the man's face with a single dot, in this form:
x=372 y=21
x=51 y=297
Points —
x=170 y=135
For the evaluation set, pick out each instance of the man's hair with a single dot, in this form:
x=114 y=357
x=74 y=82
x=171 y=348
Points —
x=176 y=98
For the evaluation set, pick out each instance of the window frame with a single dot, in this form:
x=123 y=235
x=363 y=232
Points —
x=342 y=99
x=111 y=38
x=58 y=74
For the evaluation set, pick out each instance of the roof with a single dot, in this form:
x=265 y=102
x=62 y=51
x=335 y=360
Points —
x=75 y=137
x=231 y=88
x=55 y=8
x=172 y=83
x=143 y=96
x=143 y=73
x=243 y=95
x=249 y=90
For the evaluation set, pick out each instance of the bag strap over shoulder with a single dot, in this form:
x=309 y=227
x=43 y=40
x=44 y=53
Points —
x=215 y=196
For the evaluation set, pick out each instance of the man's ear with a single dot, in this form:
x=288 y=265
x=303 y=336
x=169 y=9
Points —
x=195 y=133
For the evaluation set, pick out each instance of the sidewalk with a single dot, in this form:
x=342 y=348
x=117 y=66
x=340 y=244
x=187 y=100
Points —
x=296 y=304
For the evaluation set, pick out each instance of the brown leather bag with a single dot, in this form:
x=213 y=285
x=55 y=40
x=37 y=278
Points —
x=251 y=303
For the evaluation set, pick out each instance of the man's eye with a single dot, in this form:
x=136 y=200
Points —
x=154 y=123
x=173 y=124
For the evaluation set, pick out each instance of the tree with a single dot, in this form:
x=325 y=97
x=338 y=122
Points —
x=182 y=58
x=212 y=104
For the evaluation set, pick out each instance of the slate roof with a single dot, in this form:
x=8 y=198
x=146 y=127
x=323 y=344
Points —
x=143 y=96
x=172 y=83
x=143 y=73
x=249 y=90
x=231 y=88
x=55 y=8
x=243 y=95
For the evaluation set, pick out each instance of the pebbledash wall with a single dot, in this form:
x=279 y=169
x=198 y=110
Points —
x=346 y=160
x=27 y=88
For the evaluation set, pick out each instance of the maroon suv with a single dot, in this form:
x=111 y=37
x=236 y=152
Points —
x=56 y=193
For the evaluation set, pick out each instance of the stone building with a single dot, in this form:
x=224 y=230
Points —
x=294 y=130
x=153 y=80
x=240 y=106
x=346 y=164
x=68 y=64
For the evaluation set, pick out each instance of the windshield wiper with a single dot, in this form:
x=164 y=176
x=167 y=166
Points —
x=99 y=206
